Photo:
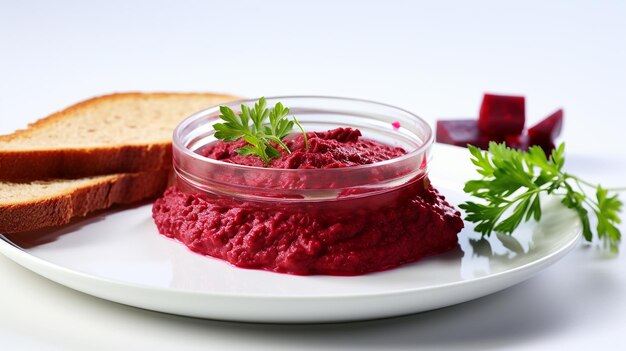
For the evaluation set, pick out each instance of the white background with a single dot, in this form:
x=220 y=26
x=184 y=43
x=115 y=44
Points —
x=433 y=59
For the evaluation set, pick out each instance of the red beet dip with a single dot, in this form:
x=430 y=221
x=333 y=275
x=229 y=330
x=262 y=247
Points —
x=349 y=236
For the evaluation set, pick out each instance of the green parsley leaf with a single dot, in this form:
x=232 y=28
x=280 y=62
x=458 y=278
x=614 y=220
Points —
x=511 y=185
x=250 y=124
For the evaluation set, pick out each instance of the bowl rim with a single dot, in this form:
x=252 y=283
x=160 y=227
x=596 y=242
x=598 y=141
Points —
x=177 y=137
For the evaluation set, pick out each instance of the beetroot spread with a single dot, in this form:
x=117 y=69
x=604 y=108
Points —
x=335 y=148
x=345 y=236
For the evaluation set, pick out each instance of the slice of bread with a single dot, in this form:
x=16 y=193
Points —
x=26 y=206
x=118 y=133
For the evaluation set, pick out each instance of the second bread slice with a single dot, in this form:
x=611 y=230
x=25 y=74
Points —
x=26 y=206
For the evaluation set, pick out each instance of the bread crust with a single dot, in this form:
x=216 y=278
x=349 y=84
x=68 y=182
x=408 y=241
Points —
x=88 y=161
x=78 y=202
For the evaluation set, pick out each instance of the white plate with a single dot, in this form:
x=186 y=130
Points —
x=119 y=256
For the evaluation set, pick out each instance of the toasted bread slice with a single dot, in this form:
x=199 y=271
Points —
x=26 y=206
x=118 y=133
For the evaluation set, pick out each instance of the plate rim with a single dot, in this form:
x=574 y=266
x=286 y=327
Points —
x=9 y=249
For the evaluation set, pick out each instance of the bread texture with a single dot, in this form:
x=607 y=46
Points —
x=26 y=206
x=117 y=133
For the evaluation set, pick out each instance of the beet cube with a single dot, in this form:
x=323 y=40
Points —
x=461 y=132
x=502 y=115
x=545 y=132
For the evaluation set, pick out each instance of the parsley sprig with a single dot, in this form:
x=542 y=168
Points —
x=250 y=124
x=512 y=183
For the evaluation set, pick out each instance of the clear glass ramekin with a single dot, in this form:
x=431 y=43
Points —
x=379 y=182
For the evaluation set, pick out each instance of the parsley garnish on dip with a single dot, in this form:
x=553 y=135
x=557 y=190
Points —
x=325 y=202
x=258 y=135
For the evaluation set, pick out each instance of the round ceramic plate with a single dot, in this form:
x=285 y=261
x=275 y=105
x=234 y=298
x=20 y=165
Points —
x=119 y=256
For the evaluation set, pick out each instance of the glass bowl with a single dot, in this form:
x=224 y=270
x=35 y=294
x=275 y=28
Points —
x=376 y=121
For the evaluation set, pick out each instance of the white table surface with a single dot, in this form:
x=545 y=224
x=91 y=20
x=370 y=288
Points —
x=433 y=59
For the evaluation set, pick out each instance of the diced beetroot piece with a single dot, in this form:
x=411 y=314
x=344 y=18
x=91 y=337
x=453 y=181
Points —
x=502 y=115
x=545 y=132
x=461 y=132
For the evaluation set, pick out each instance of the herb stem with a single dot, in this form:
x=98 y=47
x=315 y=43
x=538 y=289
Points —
x=580 y=181
x=591 y=185
x=306 y=139
x=578 y=185
x=591 y=204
